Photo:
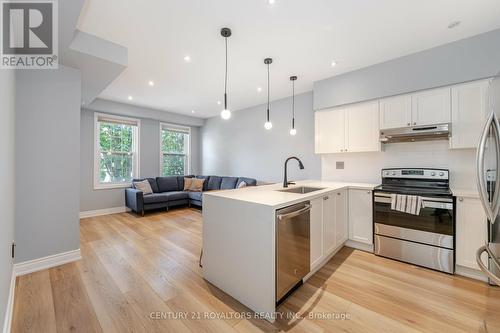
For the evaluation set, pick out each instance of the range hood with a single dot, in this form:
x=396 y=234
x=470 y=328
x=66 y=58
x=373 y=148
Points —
x=416 y=133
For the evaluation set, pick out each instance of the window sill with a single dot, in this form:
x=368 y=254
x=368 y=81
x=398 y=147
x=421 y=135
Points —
x=111 y=186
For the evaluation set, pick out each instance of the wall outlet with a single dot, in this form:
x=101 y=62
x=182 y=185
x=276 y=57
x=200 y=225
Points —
x=339 y=165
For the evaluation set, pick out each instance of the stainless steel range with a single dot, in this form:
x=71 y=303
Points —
x=414 y=218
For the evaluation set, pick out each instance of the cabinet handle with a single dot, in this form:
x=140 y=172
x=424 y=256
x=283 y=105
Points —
x=460 y=199
x=338 y=193
x=414 y=123
x=408 y=124
x=326 y=198
x=369 y=192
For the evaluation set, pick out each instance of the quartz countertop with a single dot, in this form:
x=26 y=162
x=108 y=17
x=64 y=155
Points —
x=269 y=195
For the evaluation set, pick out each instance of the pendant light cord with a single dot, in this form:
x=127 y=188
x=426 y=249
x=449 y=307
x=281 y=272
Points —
x=268 y=89
x=225 y=79
x=293 y=104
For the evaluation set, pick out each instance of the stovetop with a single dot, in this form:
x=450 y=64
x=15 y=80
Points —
x=421 y=191
x=416 y=181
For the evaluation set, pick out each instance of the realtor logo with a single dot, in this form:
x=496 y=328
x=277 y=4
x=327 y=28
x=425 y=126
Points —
x=29 y=34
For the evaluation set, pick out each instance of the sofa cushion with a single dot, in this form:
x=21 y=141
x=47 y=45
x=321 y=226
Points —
x=180 y=181
x=155 y=198
x=167 y=184
x=205 y=184
x=214 y=183
x=152 y=182
x=196 y=185
x=143 y=186
x=228 y=183
x=178 y=195
x=249 y=181
x=195 y=196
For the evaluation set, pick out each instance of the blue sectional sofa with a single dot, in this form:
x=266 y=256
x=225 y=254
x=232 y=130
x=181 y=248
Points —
x=169 y=192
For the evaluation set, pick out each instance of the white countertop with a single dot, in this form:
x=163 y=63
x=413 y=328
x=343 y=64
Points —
x=269 y=195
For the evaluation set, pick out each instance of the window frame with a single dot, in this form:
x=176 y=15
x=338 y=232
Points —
x=175 y=127
x=98 y=185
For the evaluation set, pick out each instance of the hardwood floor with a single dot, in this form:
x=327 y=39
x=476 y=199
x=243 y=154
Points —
x=136 y=272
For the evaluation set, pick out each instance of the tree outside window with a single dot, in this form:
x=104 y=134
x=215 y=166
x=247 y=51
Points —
x=174 y=150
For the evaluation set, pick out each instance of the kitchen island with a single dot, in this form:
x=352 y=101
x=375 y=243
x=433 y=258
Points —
x=239 y=236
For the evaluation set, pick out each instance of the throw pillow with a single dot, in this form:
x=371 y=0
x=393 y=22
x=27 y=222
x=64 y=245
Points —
x=144 y=186
x=242 y=184
x=187 y=183
x=196 y=185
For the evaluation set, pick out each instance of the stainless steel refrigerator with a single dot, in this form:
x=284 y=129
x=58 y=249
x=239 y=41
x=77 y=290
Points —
x=488 y=181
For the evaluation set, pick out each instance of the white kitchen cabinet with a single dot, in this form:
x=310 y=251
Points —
x=341 y=214
x=351 y=129
x=362 y=127
x=395 y=112
x=316 y=231
x=329 y=136
x=360 y=216
x=471 y=231
x=468 y=111
x=431 y=107
x=329 y=215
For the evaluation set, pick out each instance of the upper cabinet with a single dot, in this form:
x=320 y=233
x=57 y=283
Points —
x=431 y=107
x=428 y=107
x=362 y=129
x=395 y=112
x=351 y=129
x=468 y=111
x=330 y=131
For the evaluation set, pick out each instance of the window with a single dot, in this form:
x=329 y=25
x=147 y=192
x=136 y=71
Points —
x=116 y=147
x=174 y=155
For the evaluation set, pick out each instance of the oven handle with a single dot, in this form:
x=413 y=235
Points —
x=425 y=203
x=389 y=195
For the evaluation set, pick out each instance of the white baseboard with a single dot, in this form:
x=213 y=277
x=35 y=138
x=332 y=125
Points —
x=105 y=211
x=10 y=305
x=35 y=265
x=359 y=246
x=470 y=273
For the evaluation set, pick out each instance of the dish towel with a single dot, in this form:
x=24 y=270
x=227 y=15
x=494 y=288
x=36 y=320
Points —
x=410 y=204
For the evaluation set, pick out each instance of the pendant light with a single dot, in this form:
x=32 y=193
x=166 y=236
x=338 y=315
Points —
x=293 y=131
x=225 y=113
x=268 y=124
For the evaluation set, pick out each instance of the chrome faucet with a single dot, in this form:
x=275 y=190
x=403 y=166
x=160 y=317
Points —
x=301 y=166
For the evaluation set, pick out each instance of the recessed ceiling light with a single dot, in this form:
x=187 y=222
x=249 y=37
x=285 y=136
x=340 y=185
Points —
x=219 y=103
x=259 y=89
x=454 y=24
x=192 y=111
x=151 y=83
x=271 y=2
x=334 y=63
x=130 y=98
x=187 y=58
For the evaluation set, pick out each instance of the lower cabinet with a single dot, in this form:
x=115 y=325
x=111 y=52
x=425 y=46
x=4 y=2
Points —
x=470 y=231
x=328 y=229
x=360 y=216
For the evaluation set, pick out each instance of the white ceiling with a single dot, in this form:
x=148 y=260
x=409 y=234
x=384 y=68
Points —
x=302 y=36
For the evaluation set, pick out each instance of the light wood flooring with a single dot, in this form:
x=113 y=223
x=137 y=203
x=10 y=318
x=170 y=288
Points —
x=138 y=268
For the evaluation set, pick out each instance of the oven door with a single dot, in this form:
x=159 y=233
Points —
x=433 y=226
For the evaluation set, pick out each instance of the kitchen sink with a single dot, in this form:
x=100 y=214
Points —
x=302 y=189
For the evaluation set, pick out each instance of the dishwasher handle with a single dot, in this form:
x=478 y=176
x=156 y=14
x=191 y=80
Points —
x=306 y=208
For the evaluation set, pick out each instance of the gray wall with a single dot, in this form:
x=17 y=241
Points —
x=7 y=190
x=47 y=162
x=241 y=146
x=465 y=60
x=91 y=199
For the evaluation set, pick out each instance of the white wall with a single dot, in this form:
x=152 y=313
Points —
x=7 y=190
x=242 y=147
x=47 y=162
x=366 y=167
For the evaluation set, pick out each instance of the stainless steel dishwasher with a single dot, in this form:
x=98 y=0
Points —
x=292 y=248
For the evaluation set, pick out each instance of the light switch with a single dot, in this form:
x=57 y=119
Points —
x=339 y=165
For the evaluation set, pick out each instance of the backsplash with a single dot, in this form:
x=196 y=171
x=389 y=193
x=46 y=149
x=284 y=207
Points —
x=365 y=167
